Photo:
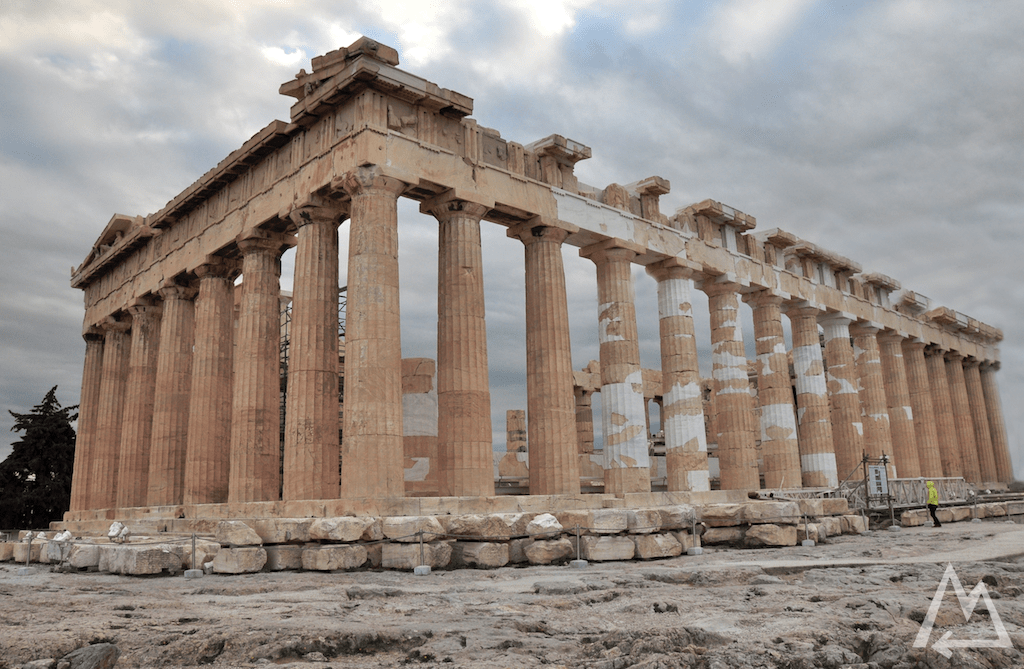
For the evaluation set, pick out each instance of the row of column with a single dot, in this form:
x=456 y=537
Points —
x=170 y=414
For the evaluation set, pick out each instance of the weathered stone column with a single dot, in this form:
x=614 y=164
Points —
x=844 y=400
x=171 y=400
x=874 y=414
x=208 y=455
x=463 y=390
x=780 y=450
x=103 y=479
x=137 y=420
x=255 y=470
x=372 y=452
x=515 y=431
x=88 y=411
x=627 y=466
x=737 y=451
x=311 y=447
x=584 y=420
x=901 y=413
x=929 y=461
x=682 y=416
x=997 y=428
x=979 y=418
x=962 y=417
x=551 y=420
x=945 y=426
x=817 y=447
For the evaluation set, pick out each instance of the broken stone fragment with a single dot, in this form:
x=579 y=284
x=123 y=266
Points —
x=547 y=551
x=280 y=558
x=544 y=524
x=330 y=558
x=770 y=534
x=598 y=549
x=343 y=528
x=643 y=521
x=480 y=554
x=407 y=556
x=239 y=560
x=236 y=533
x=653 y=546
x=411 y=528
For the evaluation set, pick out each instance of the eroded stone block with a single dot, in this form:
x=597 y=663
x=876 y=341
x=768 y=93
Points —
x=6 y=551
x=282 y=530
x=344 y=529
x=678 y=517
x=548 y=551
x=482 y=527
x=686 y=540
x=281 y=558
x=854 y=524
x=771 y=534
x=723 y=535
x=724 y=515
x=835 y=506
x=236 y=533
x=544 y=524
x=653 y=546
x=141 y=560
x=608 y=521
x=407 y=529
x=643 y=521
x=436 y=554
x=232 y=560
x=606 y=548
x=779 y=513
x=481 y=553
x=330 y=558
x=517 y=550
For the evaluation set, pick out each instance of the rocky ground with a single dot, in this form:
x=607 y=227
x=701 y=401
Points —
x=855 y=602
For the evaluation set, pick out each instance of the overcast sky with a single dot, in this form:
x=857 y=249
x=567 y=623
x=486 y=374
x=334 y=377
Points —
x=890 y=132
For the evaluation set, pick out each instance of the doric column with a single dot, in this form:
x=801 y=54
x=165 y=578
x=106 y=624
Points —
x=551 y=420
x=171 y=401
x=584 y=420
x=962 y=417
x=255 y=470
x=463 y=391
x=874 y=412
x=627 y=466
x=979 y=418
x=373 y=457
x=88 y=411
x=780 y=450
x=945 y=426
x=925 y=434
x=103 y=479
x=208 y=454
x=843 y=398
x=901 y=412
x=311 y=447
x=137 y=421
x=682 y=416
x=735 y=423
x=997 y=428
x=817 y=447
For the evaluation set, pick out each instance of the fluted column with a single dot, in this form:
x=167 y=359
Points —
x=208 y=455
x=551 y=420
x=997 y=428
x=962 y=417
x=682 y=416
x=843 y=397
x=874 y=412
x=103 y=472
x=137 y=421
x=463 y=390
x=925 y=434
x=780 y=450
x=372 y=451
x=311 y=447
x=584 y=420
x=945 y=426
x=979 y=418
x=627 y=466
x=817 y=445
x=255 y=470
x=900 y=409
x=735 y=423
x=88 y=411
x=171 y=401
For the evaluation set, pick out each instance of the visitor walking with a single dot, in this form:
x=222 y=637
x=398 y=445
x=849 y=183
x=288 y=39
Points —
x=933 y=502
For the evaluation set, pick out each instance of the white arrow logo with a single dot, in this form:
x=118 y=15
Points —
x=967 y=605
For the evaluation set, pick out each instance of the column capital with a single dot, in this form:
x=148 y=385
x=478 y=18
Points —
x=219 y=268
x=611 y=249
x=112 y=324
x=720 y=285
x=535 y=230
x=915 y=343
x=174 y=292
x=448 y=204
x=367 y=178
x=837 y=318
x=890 y=336
x=861 y=328
x=991 y=366
x=93 y=334
x=326 y=212
x=971 y=361
x=140 y=311
x=263 y=240
x=765 y=297
x=675 y=268
x=954 y=355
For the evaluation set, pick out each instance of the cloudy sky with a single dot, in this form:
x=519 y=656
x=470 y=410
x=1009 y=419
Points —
x=890 y=132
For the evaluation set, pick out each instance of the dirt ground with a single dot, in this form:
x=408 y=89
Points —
x=855 y=602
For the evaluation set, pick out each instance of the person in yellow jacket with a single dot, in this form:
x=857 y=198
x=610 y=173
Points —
x=933 y=502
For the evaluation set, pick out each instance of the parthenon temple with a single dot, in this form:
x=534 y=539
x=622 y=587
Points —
x=182 y=413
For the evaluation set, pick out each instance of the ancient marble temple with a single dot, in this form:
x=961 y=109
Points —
x=181 y=388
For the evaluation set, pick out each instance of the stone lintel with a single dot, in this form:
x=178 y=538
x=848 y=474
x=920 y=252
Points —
x=565 y=150
x=649 y=186
x=865 y=327
x=612 y=243
x=914 y=303
x=889 y=334
x=681 y=267
x=881 y=280
x=777 y=237
x=719 y=213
